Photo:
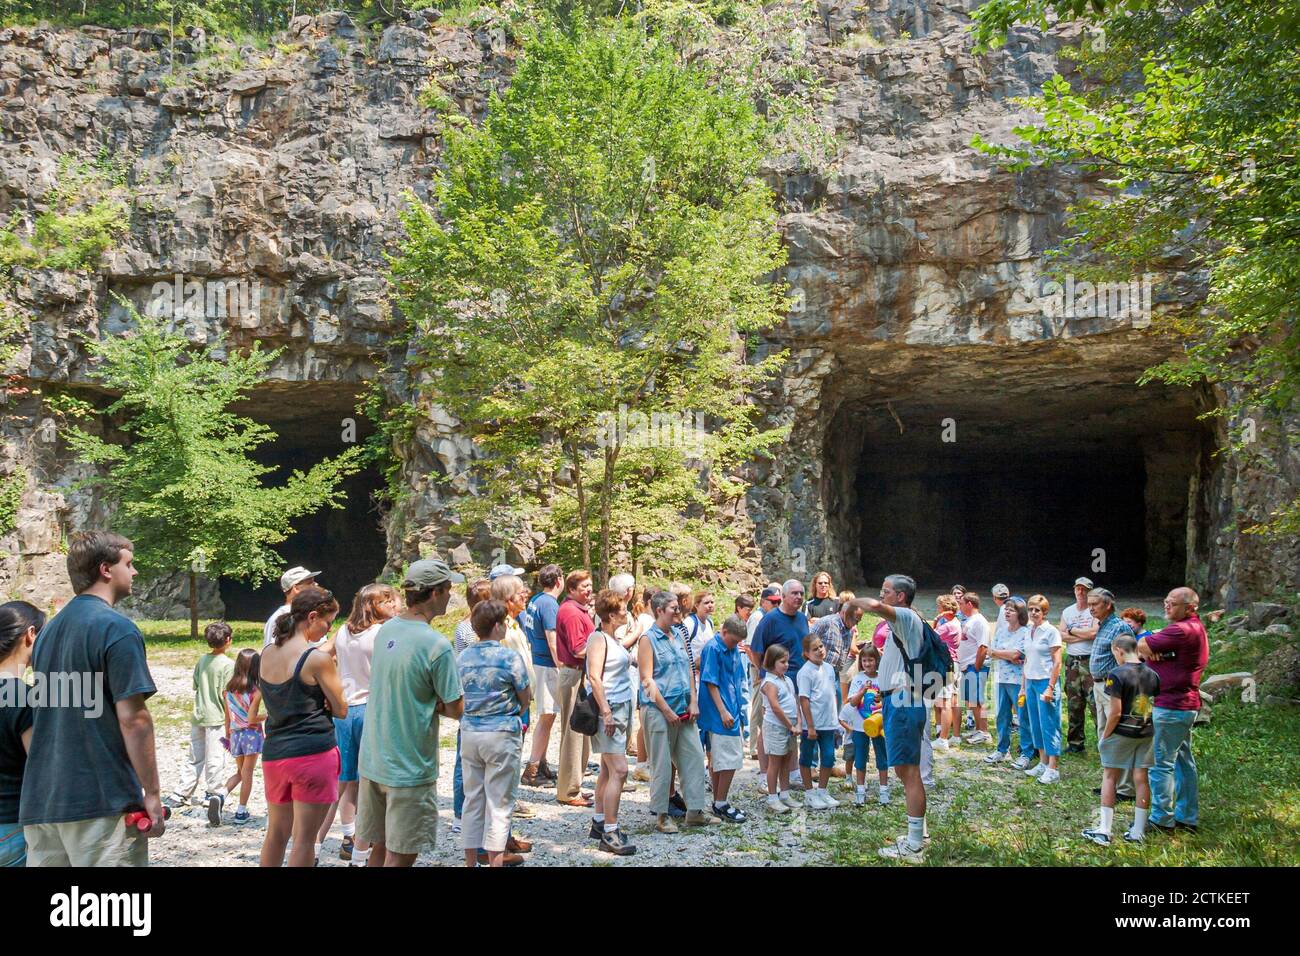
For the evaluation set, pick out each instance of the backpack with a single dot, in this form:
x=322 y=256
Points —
x=934 y=658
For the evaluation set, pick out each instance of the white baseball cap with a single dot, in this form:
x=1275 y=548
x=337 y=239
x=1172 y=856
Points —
x=294 y=576
x=1087 y=583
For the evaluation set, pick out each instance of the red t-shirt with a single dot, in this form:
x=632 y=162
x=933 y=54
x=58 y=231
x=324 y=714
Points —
x=1180 y=678
x=573 y=625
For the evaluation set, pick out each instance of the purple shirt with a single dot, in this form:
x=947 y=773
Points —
x=1180 y=676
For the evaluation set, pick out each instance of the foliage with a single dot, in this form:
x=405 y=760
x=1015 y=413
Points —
x=85 y=214
x=12 y=487
x=189 y=496
x=601 y=243
x=1192 y=118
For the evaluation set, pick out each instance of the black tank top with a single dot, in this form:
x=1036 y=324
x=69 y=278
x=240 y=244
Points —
x=297 y=723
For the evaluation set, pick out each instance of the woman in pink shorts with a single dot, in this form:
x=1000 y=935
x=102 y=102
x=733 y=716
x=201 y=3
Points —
x=302 y=693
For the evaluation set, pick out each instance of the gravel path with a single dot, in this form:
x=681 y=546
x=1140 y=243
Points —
x=559 y=834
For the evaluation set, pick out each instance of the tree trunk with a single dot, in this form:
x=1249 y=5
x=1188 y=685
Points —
x=606 y=500
x=194 y=605
x=582 y=507
x=634 y=556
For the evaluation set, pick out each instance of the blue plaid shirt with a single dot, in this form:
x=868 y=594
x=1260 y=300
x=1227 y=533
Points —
x=1102 y=661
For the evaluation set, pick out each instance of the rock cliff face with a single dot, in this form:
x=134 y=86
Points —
x=950 y=410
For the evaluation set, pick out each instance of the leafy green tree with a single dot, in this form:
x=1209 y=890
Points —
x=597 y=251
x=188 y=494
x=1191 y=115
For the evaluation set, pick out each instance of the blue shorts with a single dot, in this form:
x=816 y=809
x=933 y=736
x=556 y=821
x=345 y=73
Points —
x=904 y=727
x=13 y=848
x=972 y=685
x=862 y=744
x=348 y=732
x=823 y=743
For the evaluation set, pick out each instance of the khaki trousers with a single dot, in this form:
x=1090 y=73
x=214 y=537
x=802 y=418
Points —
x=1102 y=700
x=102 y=841
x=674 y=745
x=574 y=747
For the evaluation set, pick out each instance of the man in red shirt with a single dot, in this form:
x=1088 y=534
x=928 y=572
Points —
x=1178 y=654
x=573 y=625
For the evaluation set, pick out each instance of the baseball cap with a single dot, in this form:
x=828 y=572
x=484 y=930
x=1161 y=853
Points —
x=1084 y=581
x=295 y=575
x=1001 y=590
x=501 y=570
x=428 y=572
x=770 y=593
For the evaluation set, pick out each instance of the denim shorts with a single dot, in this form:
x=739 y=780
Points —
x=824 y=742
x=348 y=732
x=904 y=727
x=972 y=686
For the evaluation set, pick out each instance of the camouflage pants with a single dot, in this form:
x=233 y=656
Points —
x=1078 y=696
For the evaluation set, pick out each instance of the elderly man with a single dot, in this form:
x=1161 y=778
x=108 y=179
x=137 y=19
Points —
x=1078 y=628
x=786 y=625
x=1101 y=662
x=903 y=709
x=1178 y=654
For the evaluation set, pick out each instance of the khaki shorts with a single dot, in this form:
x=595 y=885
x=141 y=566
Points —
x=776 y=739
x=617 y=742
x=1127 y=753
x=103 y=841
x=545 y=686
x=403 y=819
x=727 y=753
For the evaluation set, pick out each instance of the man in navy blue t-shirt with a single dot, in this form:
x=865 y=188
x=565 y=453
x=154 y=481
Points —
x=786 y=625
x=92 y=759
x=539 y=626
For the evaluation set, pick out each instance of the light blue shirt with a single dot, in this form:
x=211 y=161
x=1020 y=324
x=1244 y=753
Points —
x=493 y=677
x=672 y=671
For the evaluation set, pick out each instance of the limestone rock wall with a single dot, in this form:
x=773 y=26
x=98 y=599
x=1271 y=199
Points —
x=286 y=169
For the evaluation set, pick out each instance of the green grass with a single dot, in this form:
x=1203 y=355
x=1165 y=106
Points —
x=1248 y=760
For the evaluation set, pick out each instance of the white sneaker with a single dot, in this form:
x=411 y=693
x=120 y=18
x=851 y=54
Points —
x=788 y=799
x=774 y=805
x=928 y=782
x=455 y=824
x=1021 y=763
x=939 y=744
x=883 y=799
x=859 y=798
x=1035 y=770
x=1049 y=776
x=996 y=757
x=902 y=852
x=762 y=785
x=828 y=800
x=817 y=800
x=984 y=737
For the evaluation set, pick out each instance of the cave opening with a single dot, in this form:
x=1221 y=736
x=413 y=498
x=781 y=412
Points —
x=314 y=421
x=1033 y=476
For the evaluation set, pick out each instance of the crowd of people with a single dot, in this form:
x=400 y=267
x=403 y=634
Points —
x=644 y=680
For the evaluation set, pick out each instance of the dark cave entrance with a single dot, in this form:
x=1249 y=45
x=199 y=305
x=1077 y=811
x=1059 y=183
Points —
x=1023 y=476
x=347 y=545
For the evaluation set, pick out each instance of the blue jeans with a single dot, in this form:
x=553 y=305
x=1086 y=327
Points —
x=457 y=784
x=1173 y=777
x=1007 y=696
x=1044 y=718
x=13 y=848
x=862 y=744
